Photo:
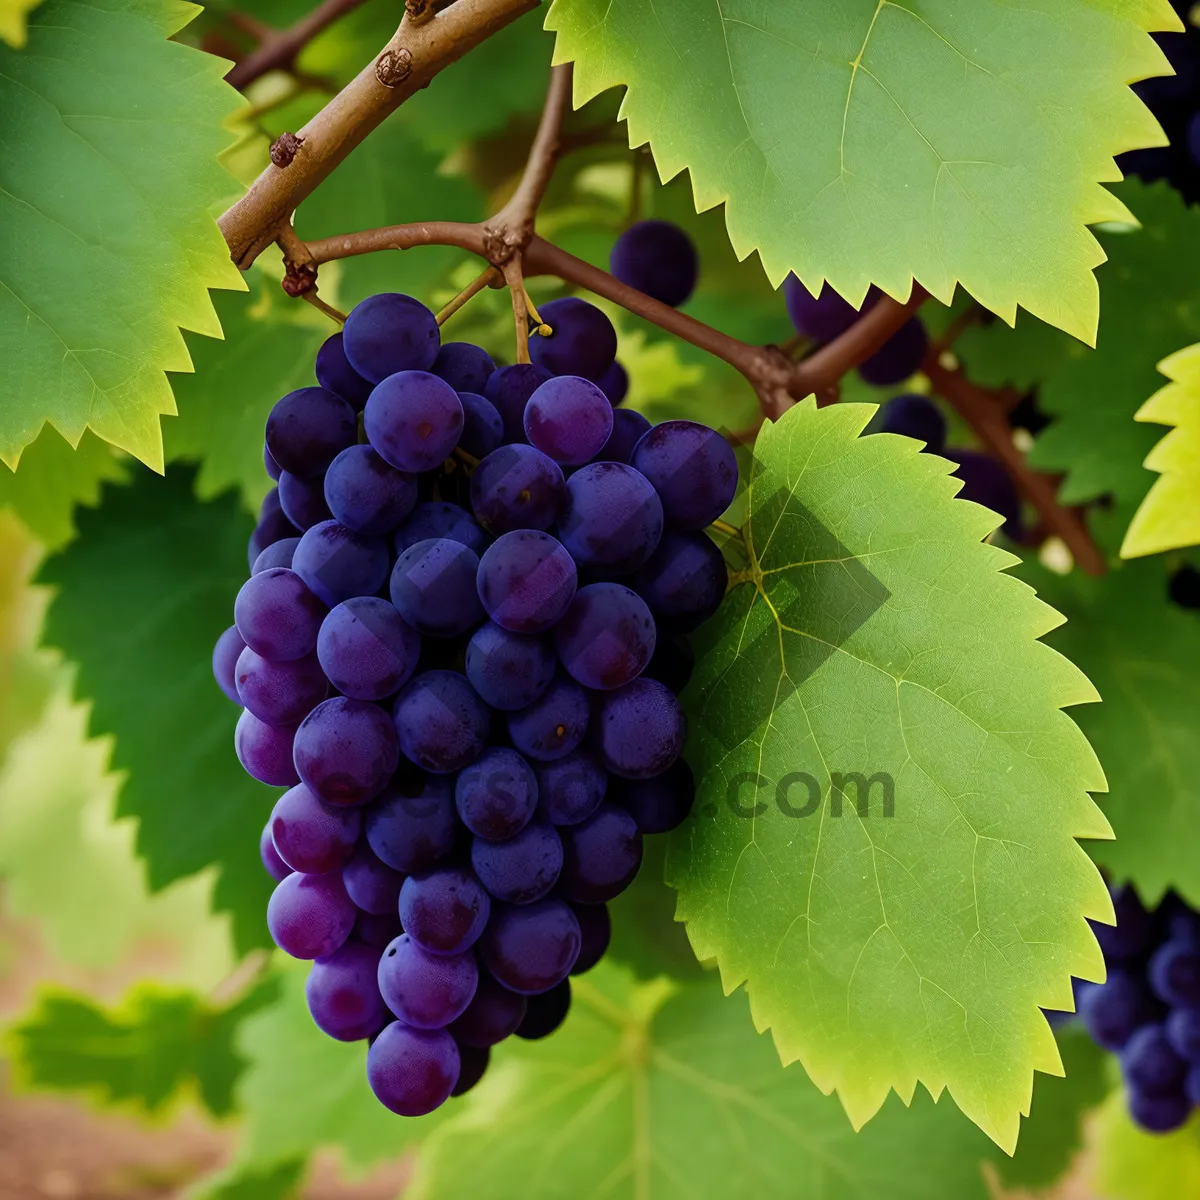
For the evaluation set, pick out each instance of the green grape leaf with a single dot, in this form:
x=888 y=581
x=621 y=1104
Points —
x=269 y=349
x=653 y=1091
x=388 y=180
x=954 y=144
x=268 y=1181
x=143 y=1053
x=53 y=478
x=873 y=644
x=1053 y=1134
x=1169 y=517
x=143 y=594
x=1140 y=651
x=13 y=14
x=1131 y=1164
x=108 y=163
x=329 y=1102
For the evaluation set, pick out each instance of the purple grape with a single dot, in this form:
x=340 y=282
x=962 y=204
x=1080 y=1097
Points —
x=509 y=670
x=388 y=333
x=444 y=910
x=343 y=994
x=600 y=855
x=684 y=580
x=346 y=751
x=1150 y=1065
x=640 y=729
x=311 y=837
x=1182 y=923
x=1112 y=1010
x=372 y=885
x=426 y=991
x=337 y=563
x=366 y=649
x=553 y=725
x=465 y=367
x=612 y=519
x=1135 y=932
x=1183 y=1032
x=277 y=554
x=310 y=916
x=595 y=930
x=583 y=341
x=509 y=390
x=336 y=375
x=516 y=487
x=277 y=616
x=657 y=258
x=1159 y=1114
x=433 y=587
x=414 y=420
x=523 y=868
x=569 y=419
x=917 y=417
x=376 y=929
x=629 y=426
x=436 y=519
x=410 y=828
x=1191 y=1086
x=822 y=317
x=1174 y=974
x=570 y=789
x=531 y=947
x=546 y=1012
x=606 y=637
x=673 y=662
x=614 y=383
x=442 y=723
x=280 y=693
x=483 y=427
x=303 y=500
x=273 y=526
x=898 y=358
x=272 y=863
x=497 y=795
x=526 y=580
x=273 y=468
x=692 y=468
x=660 y=804
x=265 y=751
x=412 y=1071
x=224 y=662
x=986 y=482
x=366 y=494
x=493 y=1014
x=473 y=1063
x=307 y=429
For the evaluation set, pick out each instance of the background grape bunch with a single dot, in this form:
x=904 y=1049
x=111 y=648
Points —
x=449 y=651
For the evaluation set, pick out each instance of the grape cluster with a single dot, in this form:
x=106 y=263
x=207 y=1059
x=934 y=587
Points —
x=449 y=652
x=1147 y=1011
x=1175 y=101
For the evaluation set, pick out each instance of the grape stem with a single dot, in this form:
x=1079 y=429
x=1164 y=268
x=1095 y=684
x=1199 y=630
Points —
x=489 y=278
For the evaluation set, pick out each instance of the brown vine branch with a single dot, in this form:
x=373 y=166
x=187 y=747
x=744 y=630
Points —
x=415 y=54
x=988 y=419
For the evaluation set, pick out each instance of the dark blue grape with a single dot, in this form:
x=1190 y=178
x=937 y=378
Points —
x=273 y=526
x=898 y=358
x=553 y=725
x=303 y=500
x=277 y=554
x=483 y=428
x=280 y=693
x=673 y=662
x=1159 y=1113
x=336 y=375
x=371 y=884
x=1183 y=1032
x=509 y=670
x=583 y=341
x=444 y=910
x=310 y=836
x=337 y=564
x=376 y=930
x=442 y=723
x=660 y=804
x=546 y=1012
x=658 y=258
x=414 y=420
x=1150 y=1065
x=277 y=616
x=389 y=333
x=265 y=751
x=684 y=580
x=273 y=468
x=310 y=916
x=1175 y=973
x=569 y=419
x=601 y=855
x=640 y=729
x=308 y=429
x=917 y=417
x=986 y=482
x=412 y=828
x=1136 y=929
x=224 y=662
x=628 y=428
x=496 y=796
x=346 y=751
x=272 y=863
x=366 y=649
x=526 y=580
x=516 y=487
x=433 y=588
x=412 y=1071
x=474 y=1062
x=595 y=931
x=366 y=494
x=821 y=317
x=437 y=519
x=509 y=390
x=612 y=519
x=493 y=1014
x=521 y=869
x=343 y=993
x=1112 y=1010
x=531 y=947
x=614 y=383
x=692 y=468
x=606 y=637
x=465 y=367
x=426 y=991
x=571 y=788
